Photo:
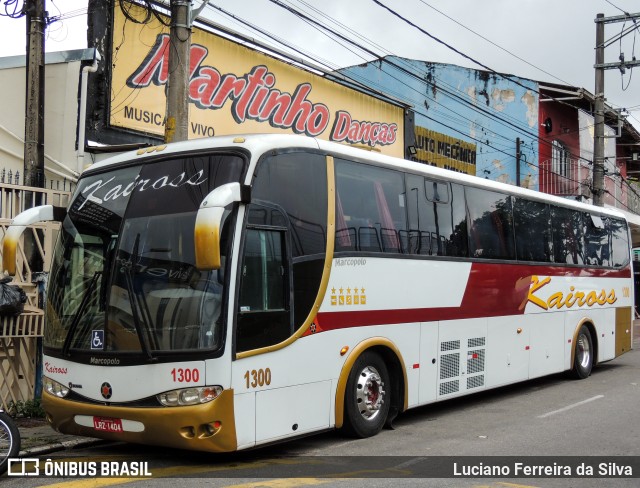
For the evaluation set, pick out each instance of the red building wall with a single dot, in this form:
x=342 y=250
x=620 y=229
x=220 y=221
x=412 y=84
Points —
x=557 y=122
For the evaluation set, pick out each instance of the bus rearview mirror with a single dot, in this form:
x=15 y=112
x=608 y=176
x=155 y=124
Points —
x=208 y=226
x=43 y=213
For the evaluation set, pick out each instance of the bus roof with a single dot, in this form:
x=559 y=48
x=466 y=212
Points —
x=258 y=144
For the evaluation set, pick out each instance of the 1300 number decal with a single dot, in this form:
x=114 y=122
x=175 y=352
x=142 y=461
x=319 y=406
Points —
x=187 y=375
x=258 y=377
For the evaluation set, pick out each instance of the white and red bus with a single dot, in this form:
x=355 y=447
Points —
x=219 y=294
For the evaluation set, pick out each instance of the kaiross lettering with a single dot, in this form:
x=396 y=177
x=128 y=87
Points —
x=575 y=298
x=138 y=184
x=50 y=368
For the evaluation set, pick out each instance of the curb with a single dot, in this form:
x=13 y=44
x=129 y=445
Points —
x=60 y=446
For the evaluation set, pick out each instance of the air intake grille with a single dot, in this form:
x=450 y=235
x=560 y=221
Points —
x=475 y=361
x=462 y=364
x=450 y=346
x=449 y=387
x=449 y=365
x=475 y=381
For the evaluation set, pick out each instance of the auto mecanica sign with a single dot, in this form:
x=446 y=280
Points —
x=236 y=90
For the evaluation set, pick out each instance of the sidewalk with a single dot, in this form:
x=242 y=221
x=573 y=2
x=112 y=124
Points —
x=38 y=438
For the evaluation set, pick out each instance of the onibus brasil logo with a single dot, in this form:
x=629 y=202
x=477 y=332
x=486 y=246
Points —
x=58 y=468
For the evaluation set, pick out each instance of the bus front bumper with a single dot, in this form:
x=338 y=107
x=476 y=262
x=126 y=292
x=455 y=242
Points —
x=206 y=427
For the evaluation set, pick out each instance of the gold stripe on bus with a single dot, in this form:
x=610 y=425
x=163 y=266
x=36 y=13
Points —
x=326 y=272
x=348 y=365
x=189 y=422
x=624 y=329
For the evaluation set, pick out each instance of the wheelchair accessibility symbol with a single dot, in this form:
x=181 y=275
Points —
x=97 y=339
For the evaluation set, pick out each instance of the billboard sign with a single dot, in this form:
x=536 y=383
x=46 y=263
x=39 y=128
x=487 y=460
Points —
x=237 y=90
x=444 y=151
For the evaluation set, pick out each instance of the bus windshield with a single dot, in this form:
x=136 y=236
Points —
x=123 y=277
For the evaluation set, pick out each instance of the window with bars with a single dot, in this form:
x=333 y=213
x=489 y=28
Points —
x=559 y=158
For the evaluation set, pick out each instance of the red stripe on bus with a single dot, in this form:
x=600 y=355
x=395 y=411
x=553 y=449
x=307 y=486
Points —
x=493 y=290
x=362 y=318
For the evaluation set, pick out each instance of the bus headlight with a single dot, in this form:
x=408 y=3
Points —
x=189 y=396
x=54 y=388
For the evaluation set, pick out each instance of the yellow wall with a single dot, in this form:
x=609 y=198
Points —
x=237 y=90
x=444 y=151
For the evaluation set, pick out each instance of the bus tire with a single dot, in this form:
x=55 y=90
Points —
x=367 y=396
x=583 y=357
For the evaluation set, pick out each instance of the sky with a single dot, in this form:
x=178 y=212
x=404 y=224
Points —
x=544 y=40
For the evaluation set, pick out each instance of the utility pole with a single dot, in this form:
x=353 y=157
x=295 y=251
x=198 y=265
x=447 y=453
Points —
x=34 y=133
x=598 y=130
x=177 y=119
x=518 y=157
x=599 y=108
x=34 y=108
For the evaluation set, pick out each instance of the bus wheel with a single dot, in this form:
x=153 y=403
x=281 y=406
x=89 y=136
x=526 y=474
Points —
x=583 y=358
x=367 y=398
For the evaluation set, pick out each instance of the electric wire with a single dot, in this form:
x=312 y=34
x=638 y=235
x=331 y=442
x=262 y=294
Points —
x=493 y=43
x=13 y=9
x=488 y=114
x=509 y=154
x=396 y=63
x=400 y=60
x=414 y=75
x=418 y=76
x=478 y=140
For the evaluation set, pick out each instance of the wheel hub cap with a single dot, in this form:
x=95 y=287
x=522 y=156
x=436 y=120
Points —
x=583 y=351
x=370 y=393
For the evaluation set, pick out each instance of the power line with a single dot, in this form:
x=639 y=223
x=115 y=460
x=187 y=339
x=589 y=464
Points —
x=493 y=43
x=402 y=61
x=418 y=77
x=414 y=75
x=449 y=46
x=501 y=117
x=325 y=29
x=370 y=52
x=268 y=35
x=13 y=9
x=375 y=55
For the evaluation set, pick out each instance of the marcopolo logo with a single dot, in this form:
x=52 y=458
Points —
x=106 y=390
x=104 y=361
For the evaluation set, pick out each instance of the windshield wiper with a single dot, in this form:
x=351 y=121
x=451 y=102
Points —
x=80 y=312
x=139 y=321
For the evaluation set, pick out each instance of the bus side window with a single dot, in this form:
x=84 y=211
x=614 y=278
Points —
x=437 y=224
x=370 y=208
x=263 y=308
x=296 y=183
x=568 y=245
x=490 y=224
x=596 y=241
x=618 y=234
x=532 y=222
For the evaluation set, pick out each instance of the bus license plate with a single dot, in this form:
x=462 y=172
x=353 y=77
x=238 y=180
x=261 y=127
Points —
x=107 y=424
